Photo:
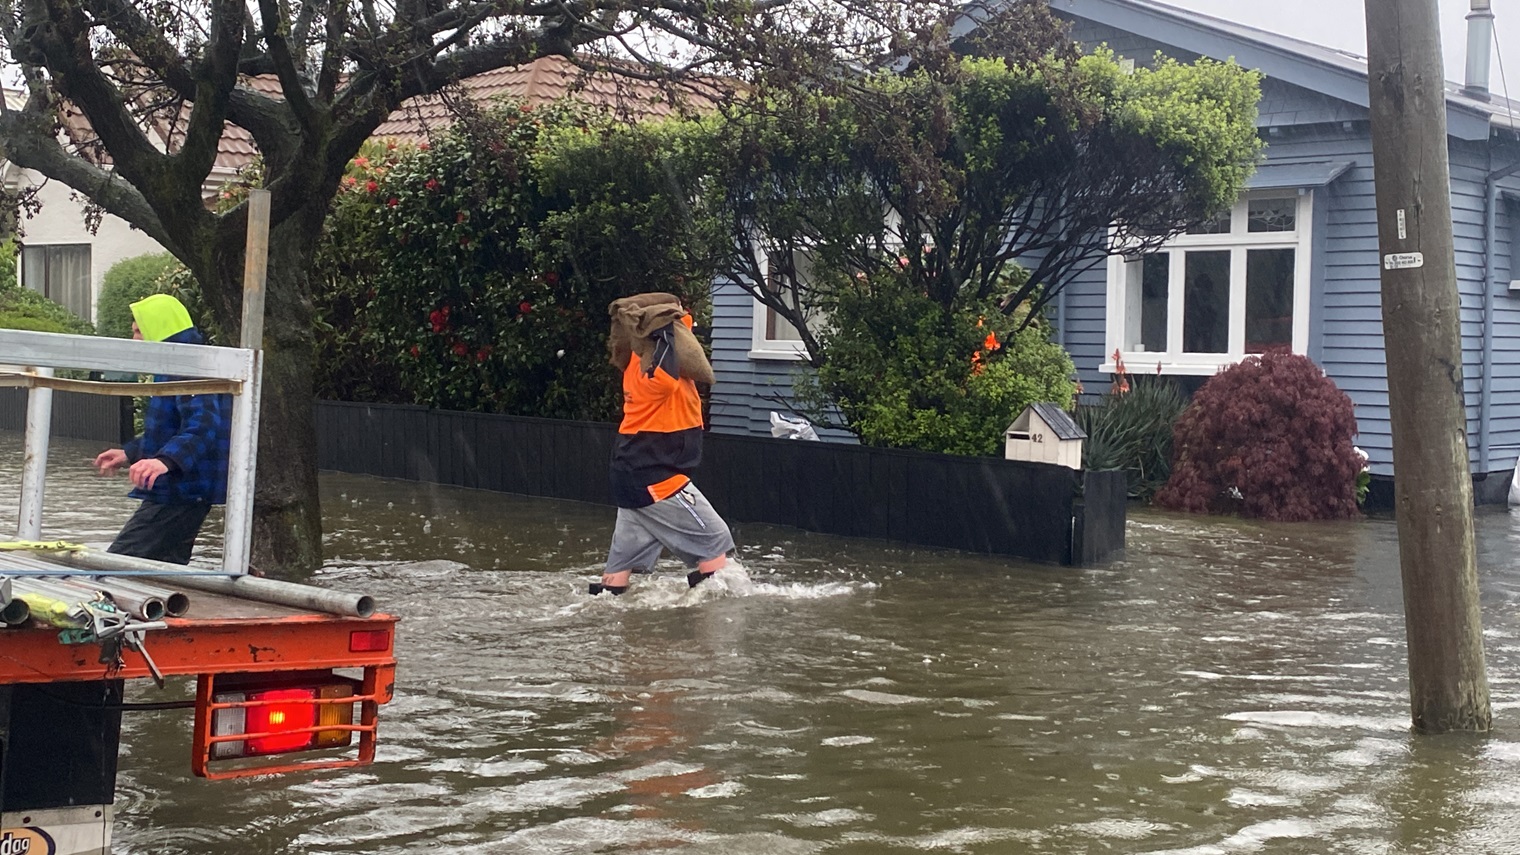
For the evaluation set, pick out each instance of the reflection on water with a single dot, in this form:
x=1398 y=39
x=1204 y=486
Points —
x=1228 y=687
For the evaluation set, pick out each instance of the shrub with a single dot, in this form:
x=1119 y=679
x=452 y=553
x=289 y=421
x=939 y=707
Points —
x=1269 y=438
x=906 y=373
x=126 y=282
x=8 y=263
x=25 y=309
x=1132 y=431
x=12 y=320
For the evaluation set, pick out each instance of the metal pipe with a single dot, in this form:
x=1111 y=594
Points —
x=136 y=604
x=56 y=589
x=13 y=612
x=176 y=603
x=52 y=604
x=48 y=610
x=39 y=422
x=1480 y=36
x=247 y=587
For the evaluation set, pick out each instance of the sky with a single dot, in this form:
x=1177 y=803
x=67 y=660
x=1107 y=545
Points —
x=1342 y=24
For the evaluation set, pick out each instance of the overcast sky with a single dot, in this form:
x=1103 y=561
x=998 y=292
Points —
x=1342 y=24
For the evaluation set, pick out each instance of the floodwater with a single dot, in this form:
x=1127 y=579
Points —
x=1228 y=687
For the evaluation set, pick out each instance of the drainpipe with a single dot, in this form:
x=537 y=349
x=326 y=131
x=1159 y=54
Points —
x=1480 y=35
x=1490 y=286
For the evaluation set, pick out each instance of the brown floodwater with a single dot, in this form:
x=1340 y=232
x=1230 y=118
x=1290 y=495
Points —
x=1227 y=687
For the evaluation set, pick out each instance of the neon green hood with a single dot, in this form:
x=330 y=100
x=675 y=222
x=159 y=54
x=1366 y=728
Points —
x=159 y=316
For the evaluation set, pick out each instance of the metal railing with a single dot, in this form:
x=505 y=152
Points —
x=29 y=360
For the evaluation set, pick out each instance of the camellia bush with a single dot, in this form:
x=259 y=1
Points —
x=474 y=272
x=1269 y=438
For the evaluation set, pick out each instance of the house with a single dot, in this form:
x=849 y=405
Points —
x=66 y=261
x=1295 y=262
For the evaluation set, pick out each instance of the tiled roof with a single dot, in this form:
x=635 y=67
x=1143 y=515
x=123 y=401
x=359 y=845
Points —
x=539 y=82
x=542 y=81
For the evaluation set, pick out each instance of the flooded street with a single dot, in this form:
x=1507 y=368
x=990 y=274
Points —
x=1228 y=687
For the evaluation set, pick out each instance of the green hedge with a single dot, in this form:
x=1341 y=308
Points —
x=128 y=281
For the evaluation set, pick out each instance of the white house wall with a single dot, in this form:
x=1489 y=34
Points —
x=61 y=221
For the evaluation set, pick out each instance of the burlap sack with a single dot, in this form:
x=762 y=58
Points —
x=636 y=318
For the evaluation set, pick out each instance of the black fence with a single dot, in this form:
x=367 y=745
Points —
x=103 y=418
x=1035 y=511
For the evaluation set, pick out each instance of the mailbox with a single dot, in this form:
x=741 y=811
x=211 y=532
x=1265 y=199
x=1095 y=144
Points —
x=1045 y=433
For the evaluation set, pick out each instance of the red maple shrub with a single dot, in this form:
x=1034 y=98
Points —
x=1269 y=438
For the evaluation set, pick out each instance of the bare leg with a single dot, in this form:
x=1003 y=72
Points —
x=612 y=583
x=706 y=569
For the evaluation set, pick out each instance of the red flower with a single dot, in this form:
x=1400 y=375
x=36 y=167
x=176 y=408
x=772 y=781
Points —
x=460 y=348
x=415 y=352
x=432 y=184
x=422 y=146
x=551 y=277
x=392 y=202
x=480 y=355
x=524 y=307
x=459 y=217
x=526 y=108
x=991 y=343
x=371 y=186
x=361 y=161
x=439 y=318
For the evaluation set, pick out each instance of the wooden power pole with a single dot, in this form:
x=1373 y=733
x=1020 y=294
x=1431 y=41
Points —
x=1448 y=687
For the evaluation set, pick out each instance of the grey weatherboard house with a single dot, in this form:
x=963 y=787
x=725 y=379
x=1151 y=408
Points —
x=1295 y=262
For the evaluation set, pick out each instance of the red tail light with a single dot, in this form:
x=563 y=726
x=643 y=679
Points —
x=285 y=720
x=281 y=720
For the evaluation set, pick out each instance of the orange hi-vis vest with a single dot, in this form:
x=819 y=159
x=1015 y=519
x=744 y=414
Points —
x=659 y=442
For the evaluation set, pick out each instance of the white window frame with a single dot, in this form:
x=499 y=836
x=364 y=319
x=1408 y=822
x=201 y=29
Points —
x=762 y=346
x=1237 y=241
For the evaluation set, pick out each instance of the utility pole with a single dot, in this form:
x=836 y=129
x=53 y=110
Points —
x=1448 y=687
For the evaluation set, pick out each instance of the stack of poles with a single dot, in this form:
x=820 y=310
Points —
x=43 y=579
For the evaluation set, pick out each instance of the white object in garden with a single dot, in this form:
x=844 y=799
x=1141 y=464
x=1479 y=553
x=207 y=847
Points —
x=791 y=427
x=1045 y=433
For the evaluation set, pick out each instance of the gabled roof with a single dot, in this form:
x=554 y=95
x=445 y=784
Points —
x=1337 y=73
x=1058 y=420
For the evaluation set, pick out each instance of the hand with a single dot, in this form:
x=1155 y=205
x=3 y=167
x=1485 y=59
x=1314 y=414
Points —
x=144 y=472
x=107 y=462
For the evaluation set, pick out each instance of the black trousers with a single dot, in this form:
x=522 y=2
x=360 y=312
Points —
x=161 y=532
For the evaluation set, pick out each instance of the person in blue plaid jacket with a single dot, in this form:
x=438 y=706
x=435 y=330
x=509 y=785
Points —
x=178 y=467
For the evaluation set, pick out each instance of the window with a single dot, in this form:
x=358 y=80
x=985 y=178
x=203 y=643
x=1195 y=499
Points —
x=61 y=274
x=774 y=336
x=1234 y=286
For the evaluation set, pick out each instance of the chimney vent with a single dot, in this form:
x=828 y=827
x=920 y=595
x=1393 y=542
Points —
x=1480 y=39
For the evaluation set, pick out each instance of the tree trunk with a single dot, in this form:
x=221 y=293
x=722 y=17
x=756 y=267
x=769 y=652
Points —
x=287 y=515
